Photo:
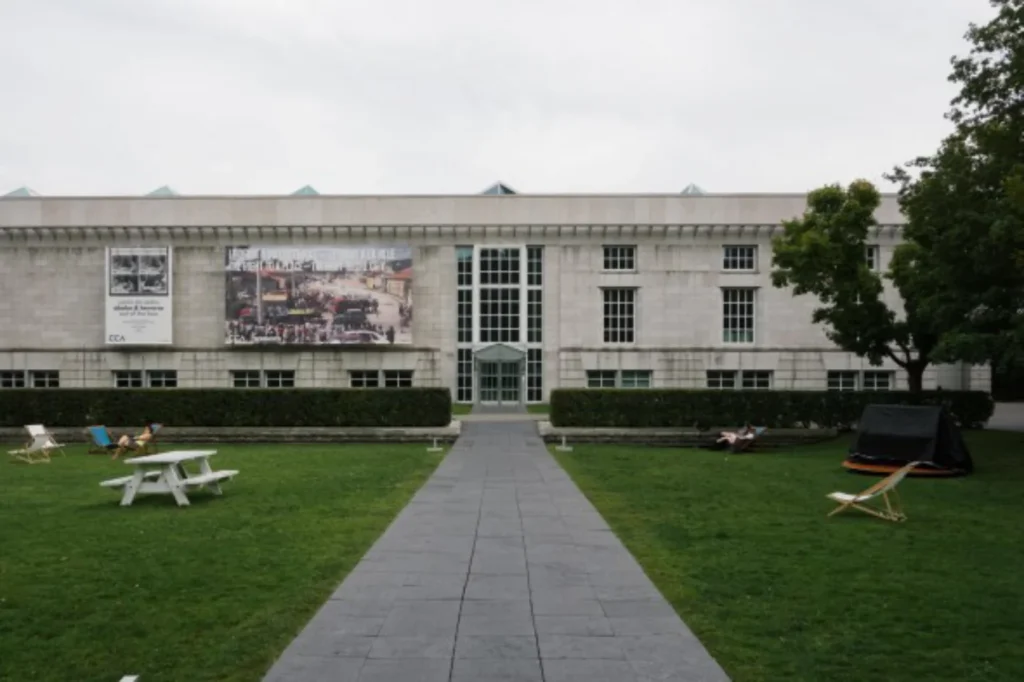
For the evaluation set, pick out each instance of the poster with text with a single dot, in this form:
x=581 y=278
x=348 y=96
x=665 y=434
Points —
x=329 y=295
x=139 y=296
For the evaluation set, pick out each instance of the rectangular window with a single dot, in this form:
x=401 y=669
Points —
x=464 y=265
x=534 y=266
x=534 y=375
x=128 y=379
x=364 y=379
x=46 y=378
x=619 y=315
x=245 y=378
x=12 y=379
x=878 y=381
x=601 y=378
x=635 y=378
x=499 y=266
x=738 y=315
x=499 y=315
x=756 y=380
x=721 y=379
x=162 y=378
x=464 y=376
x=842 y=381
x=739 y=258
x=534 y=318
x=279 y=378
x=620 y=258
x=397 y=378
x=871 y=253
x=465 y=315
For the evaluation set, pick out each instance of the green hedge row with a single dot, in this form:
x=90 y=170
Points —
x=227 y=407
x=778 y=409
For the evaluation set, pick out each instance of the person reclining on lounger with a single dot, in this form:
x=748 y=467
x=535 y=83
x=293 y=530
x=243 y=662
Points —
x=746 y=433
x=138 y=441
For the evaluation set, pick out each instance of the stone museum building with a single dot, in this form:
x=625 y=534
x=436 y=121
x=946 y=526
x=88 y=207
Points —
x=499 y=296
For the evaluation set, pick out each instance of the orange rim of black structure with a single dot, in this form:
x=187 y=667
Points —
x=886 y=469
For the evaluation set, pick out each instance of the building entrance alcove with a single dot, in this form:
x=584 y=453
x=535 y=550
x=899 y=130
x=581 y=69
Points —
x=500 y=370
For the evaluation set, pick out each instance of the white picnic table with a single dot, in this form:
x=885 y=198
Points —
x=165 y=473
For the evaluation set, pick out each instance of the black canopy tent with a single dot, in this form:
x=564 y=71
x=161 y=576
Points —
x=891 y=436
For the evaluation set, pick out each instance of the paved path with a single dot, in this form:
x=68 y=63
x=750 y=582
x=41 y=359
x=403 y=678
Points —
x=499 y=569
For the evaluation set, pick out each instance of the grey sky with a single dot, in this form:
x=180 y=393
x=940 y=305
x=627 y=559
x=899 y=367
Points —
x=448 y=96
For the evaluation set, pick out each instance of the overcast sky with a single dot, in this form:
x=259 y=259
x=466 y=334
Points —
x=448 y=96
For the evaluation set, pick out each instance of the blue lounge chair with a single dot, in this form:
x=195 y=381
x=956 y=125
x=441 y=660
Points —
x=102 y=442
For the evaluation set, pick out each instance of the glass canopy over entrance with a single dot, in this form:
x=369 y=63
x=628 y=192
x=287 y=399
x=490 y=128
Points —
x=500 y=370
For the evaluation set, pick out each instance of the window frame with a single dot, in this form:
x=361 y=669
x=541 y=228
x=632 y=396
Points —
x=243 y=378
x=13 y=379
x=128 y=378
x=734 y=256
x=873 y=256
x=875 y=374
x=639 y=379
x=620 y=258
x=598 y=378
x=279 y=378
x=396 y=378
x=50 y=377
x=622 y=334
x=753 y=375
x=841 y=377
x=161 y=378
x=364 y=378
x=711 y=375
x=730 y=335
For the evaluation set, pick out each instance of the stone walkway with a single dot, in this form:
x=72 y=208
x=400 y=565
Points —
x=498 y=569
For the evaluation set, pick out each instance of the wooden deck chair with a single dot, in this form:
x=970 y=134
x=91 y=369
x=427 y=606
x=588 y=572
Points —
x=40 y=431
x=745 y=444
x=149 y=447
x=36 y=451
x=102 y=442
x=886 y=489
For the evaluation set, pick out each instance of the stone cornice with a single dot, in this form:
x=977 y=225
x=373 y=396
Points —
x=422 y=234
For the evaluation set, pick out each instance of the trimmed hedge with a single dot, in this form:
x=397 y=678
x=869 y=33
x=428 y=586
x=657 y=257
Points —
x=367 y=407
x=680 y=408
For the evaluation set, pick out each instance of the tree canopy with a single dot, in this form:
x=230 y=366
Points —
x=965 y=203
x=824 y=253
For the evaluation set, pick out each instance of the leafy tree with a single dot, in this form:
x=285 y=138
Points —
x=824 y=253
x=965 y=203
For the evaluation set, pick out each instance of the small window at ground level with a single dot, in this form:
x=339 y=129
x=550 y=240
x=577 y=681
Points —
x=128 y=379
x=721 y=379
x=245 y=378
x=635 y=378
x=280 y=378
x=397 y=378
x=842 y=381
x=162 y=378
x=359 y=378
x=601 y=378
x=9 y=379
x=878 y=381
x=46 y=378
x=759 y=380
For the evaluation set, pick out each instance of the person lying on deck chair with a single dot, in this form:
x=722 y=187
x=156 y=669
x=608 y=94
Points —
x=731 y=437
x=138 y=441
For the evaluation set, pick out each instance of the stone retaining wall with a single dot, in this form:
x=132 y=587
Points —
x=772 y=439
x=200 y=434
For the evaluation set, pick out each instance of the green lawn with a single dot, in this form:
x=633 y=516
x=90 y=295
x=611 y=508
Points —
x=215 y=591
x=742 y=548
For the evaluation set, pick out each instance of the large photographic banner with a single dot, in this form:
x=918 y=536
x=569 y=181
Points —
x=138 y=311
x=318 y=295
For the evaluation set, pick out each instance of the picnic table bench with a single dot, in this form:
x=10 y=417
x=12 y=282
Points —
x=165 y=473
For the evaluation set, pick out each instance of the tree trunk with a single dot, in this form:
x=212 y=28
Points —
x=915 y=376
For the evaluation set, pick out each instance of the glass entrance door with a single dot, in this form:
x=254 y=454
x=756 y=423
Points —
x=499 y=382
x=509 y=382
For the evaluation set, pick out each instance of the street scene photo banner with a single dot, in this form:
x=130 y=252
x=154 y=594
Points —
x=318 y=295
x=138 y=282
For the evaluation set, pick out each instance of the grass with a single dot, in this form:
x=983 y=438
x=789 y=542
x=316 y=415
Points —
x=742 y=548
x=215 y=591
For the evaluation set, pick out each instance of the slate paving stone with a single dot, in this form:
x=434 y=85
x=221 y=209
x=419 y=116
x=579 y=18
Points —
x=499 y=569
